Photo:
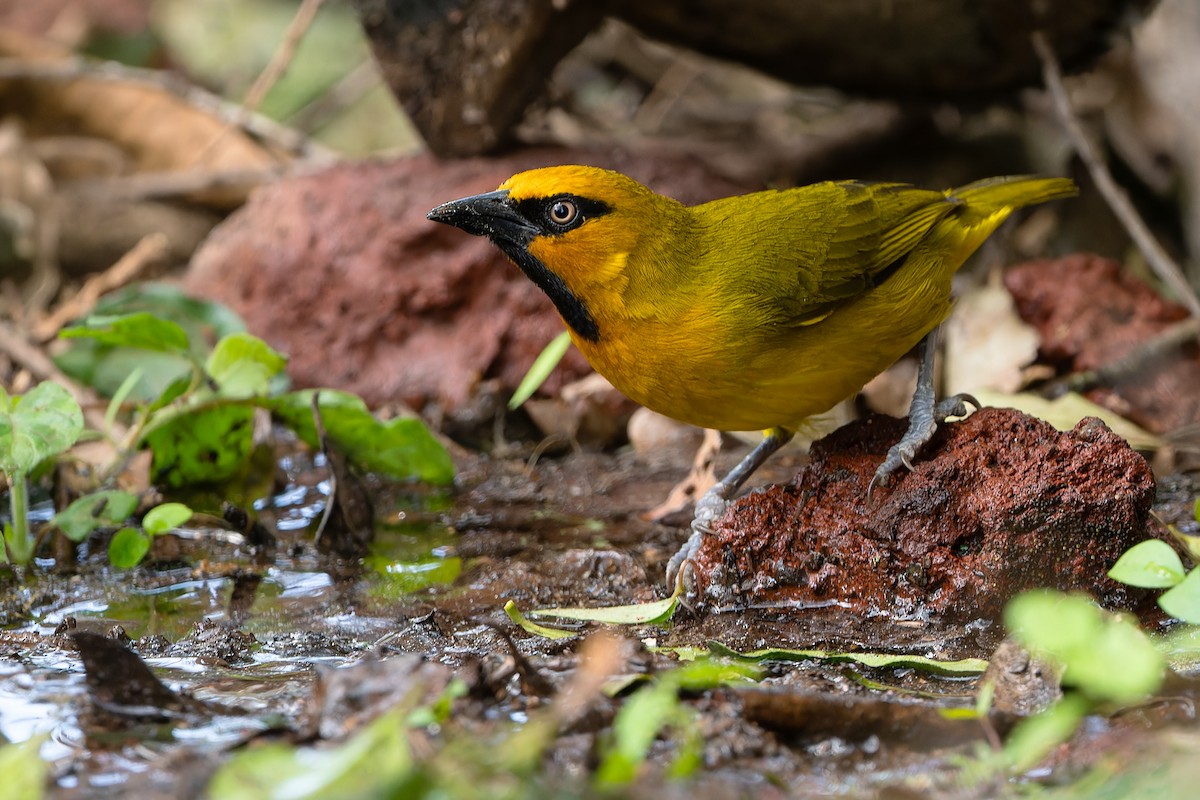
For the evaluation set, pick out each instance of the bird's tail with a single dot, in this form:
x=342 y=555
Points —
x=1012 y=192
x=984 y=204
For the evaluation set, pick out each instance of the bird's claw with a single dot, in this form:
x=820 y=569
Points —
x=709 y=508
x=923 y=423
x=955 y=406
x=679 y=568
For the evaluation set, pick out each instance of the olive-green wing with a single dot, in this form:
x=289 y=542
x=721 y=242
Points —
x=819 y=246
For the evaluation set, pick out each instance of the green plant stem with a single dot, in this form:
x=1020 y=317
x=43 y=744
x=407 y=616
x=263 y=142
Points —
x=19 y=546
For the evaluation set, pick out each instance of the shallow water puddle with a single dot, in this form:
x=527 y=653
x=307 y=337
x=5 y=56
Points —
x=250 y=637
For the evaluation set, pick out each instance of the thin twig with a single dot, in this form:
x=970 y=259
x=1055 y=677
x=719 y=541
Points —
x=150 y=249
x=1162 y=264
x=41 y=367
x=1122 y=370
x=276 y=67
x=174 y=184
x=351 y=88
x=332 y=499
x=282 y=59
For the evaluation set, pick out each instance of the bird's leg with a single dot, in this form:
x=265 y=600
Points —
x=924 y=415
x=711 y=506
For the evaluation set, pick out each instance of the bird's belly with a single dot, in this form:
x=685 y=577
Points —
x=760 y=380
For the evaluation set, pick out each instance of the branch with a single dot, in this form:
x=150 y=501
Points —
x=1162 y=264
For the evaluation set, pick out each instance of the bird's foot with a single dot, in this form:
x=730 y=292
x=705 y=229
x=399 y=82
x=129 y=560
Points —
x=709 y=508
x=922 y=424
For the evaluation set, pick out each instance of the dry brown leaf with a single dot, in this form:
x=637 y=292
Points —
x=891 y=391
x=699 y=480
x=987 y=343
x=160 y=130
x=588 y=411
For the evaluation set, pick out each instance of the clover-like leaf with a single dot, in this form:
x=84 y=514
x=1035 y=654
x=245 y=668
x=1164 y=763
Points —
x=42 y=423
x=1152 y=564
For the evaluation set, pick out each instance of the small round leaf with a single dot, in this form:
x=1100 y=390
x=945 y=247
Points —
x=1152 y=564
x=165 y=517
x=128 y=547
x=1183 y=602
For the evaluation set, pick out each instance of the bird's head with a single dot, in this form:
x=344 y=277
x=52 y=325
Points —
x=571 y=230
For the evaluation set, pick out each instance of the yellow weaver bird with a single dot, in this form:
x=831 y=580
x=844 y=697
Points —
x=752 y=312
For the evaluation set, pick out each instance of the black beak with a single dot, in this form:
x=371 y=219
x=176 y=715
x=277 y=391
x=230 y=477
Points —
x=490 y=214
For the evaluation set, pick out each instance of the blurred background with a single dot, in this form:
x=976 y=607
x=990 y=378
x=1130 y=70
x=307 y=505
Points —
x=858 y=100
x=127 y=119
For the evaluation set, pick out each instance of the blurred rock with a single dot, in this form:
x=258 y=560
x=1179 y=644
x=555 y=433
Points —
x=341 y=270
x=1090 y=312
x=920 y=48
x=465 y=70
x=1023 y=684
x=1001 y=502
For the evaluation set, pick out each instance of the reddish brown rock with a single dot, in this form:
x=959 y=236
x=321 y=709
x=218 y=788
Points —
x=341 y=271
x=1000 y=503
x=1090 y=312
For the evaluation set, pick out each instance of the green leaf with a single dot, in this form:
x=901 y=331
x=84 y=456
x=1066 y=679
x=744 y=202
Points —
x=542 y=366
x=372 y=763
x=1183 y=602
x=401 y=578
x=106 y=366
x=1087 y=641
x=656 y=706
x=165 y=517
x=962 y=667
x=711 y=673
x=10 y=536
x=634 y=730
x=1120 y=642
x=23 y=773
x=92 y=511
x=1181 y=648
x=121 y=395
x=690 y=758
x=1059 y=625
x=171 y=392
x=128 y=547
x=208 y=444
x=438 y=711
x=528 y=626
x=243 y=365
x=141 y=330
x=657 y=612
x=1152 y=564
x=1190 y=542
x=42 y=423
x=402 y=448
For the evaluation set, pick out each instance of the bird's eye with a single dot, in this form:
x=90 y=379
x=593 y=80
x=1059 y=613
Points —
x=562 y=212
